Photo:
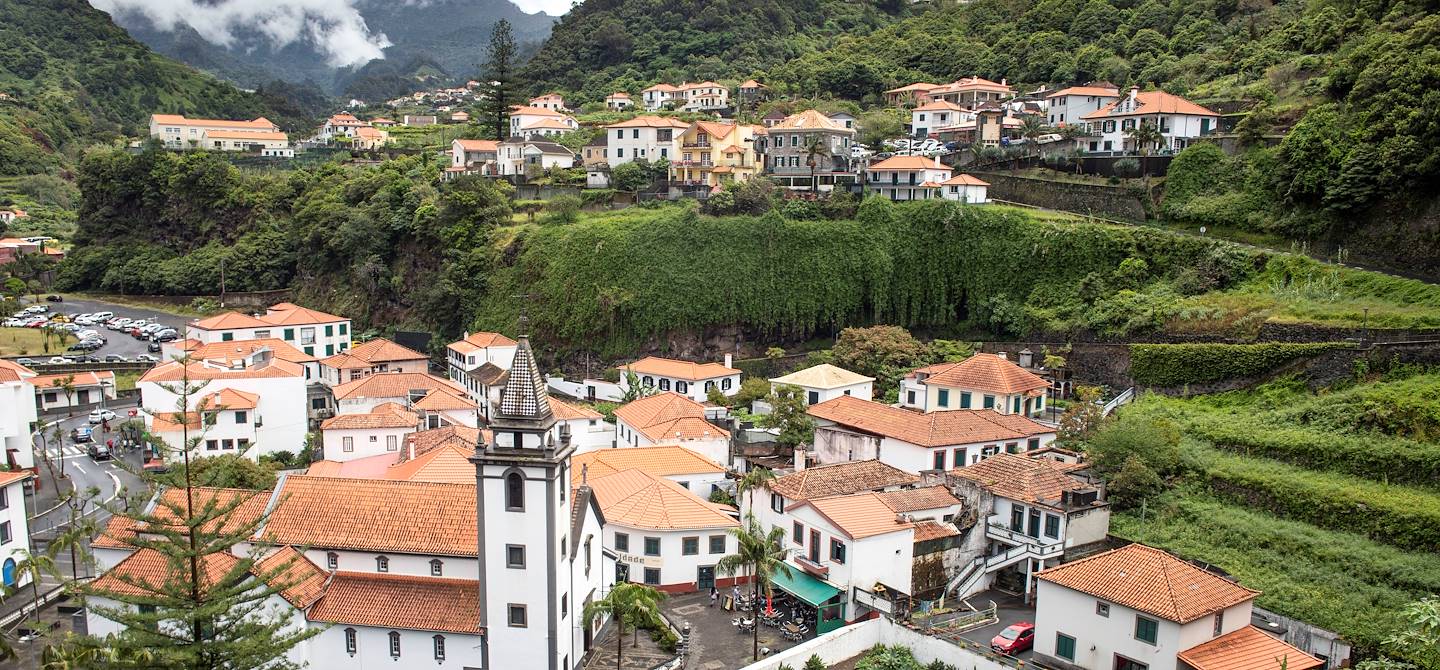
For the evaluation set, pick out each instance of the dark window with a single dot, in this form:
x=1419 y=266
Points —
x=910 y=397
x=652 y=546
x=798 y=533
x=382 y=564
x=717 y=544
x=1017 y=518
x=437 y=567
x=964 y=400
x=517 y=617
x=622 y=542
x=1219 y=622
x=1146 y=630
x=240 y=417
x=989 y=402
x=689 y=546
x=725 y=384
x=939 y=459
x=812 y=397
x=1065 y=646
x=1052 y=525
x=943 y=397
x=837 y=550
x=777 y=502
x=1032 y=444
x=564 y=605
x=350 y=640
x=652 y=576
x=664 y=384
x=515 y=492
x=394 y=644
x=439 y=641
x=587 y=555
x=514 y=556
x=814 y=546
x=332 y=560
x=682 y=387
x=1102 y=609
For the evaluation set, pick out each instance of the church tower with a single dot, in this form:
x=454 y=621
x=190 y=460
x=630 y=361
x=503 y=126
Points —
x=522 y=488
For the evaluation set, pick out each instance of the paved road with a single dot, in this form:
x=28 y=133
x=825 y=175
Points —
x=117 y=342
x=106 y=477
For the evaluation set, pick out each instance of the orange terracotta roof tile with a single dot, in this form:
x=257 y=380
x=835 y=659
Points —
x=394 y=385
x=823 y=376
x=374 y=515
x=442 y=399
x=229 y=321
x=650 y=122
x=149 y=573
x=841 y=479
x=116 y=534
x=475 y=341
x=227 y=399
x=1248 y=648
x=385 y=415
x=659 y=461
x=859 y=515
x=1038 y=481
x=257 y=135
x=479 y=145
x=245 y=506
x=1150 y=580
x=420 y=442
x=288 y=314
x=300 y=582
x=989 y=372
x=638 y=499
x=914 y=500
x=11 y=476
x=933 y=530
x=935 y=429
x=969 y=84
x=368 y=467
x=565 y=411
x=174 y=422
x=1150 y=102
x=917 y=86
x=400 y=601
x=75 y=379
x=810 y=120
x=910 y=163
x=381 y=350
x=449 y=464
x=1099 y=91
x=16 y=368
x=180 y=119
x=669 y=367
x=668 y=416
x=526 y=110
x=964 y=180
x=196 y=370
x=939 y=106
x=242 y=348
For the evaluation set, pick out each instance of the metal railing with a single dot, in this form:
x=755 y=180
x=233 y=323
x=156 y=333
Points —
x=1006 y=534
x=1124 y=398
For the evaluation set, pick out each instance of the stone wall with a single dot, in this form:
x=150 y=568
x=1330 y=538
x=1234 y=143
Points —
x=1111 y=202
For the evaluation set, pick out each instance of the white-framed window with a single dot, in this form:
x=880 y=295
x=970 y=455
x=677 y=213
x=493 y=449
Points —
x=347 y=444
x=382 y=564
x=350 y=642
x=394 y=644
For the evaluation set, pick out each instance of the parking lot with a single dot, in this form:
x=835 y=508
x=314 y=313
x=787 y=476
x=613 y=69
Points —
x=117 y=343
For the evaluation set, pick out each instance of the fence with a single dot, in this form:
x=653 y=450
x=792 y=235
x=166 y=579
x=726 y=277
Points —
x=850 y=641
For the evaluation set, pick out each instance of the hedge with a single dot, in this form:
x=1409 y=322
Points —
x=1400 y=516
x=1171 y=365
x=1377 y=457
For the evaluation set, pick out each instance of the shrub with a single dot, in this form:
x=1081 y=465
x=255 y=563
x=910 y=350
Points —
x=1175 y=365
x=814 y=663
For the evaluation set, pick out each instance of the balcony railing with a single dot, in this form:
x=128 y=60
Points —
x=696 y=145
x=1044 y=548
x=812 y=567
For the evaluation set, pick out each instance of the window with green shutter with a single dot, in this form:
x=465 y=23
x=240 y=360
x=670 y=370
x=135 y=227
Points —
x=989 y=402
x=964 y=400
x=1146 y=630
x=1065 y=646
x=290 y=334
x=226 y=337
x=344 y=328
x=1016 y=406
x=329 y=331
x=329 y=350
x=309 y=351
x=944 y=398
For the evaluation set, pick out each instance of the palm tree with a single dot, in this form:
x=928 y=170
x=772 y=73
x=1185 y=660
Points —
x=754 y=480
x=35 y=566
x=762 y=554
x=626 y=602
x=1146 y=136
x=1032 y=127
x=816 y=147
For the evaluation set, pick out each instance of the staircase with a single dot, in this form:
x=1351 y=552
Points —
x=1124 y=398
x=965 y=580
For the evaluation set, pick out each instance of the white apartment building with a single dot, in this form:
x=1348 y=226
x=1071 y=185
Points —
x=663 y=535
x=619 y=101
x=85 y=388
x=650 y=138
x=477 y=361
x=825 y=382
x=17 y=414
x=983 y=381
x=662 y=94
x=14 y=527
x=539 y=121
x=1180 y=122
x=311 y=331
x=692 y=380
x=382 y=430
x=474 y=156
x=551 y=101
x=690 y=470
x=907 y=178
x=1070 y=105
x=670 y=418
x=849 y=429
x=250 y=404
x=811 y=482
x=519 y=156
x=178 y=132
x=936 y=114
x=704 y=96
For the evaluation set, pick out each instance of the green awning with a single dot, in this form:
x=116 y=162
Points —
x=803 y=586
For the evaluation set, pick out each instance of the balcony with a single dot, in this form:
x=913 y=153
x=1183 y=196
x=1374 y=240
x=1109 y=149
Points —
x=696 y=145
x=821 y=571
x=1038 y=547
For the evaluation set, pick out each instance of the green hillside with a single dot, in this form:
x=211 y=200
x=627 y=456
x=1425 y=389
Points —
x=71 y=77
x=605 y=45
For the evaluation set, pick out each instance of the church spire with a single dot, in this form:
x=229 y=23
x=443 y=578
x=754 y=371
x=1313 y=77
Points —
x=524 y=396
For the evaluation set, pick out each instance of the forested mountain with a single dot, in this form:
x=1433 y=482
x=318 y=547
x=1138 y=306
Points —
x=70 y=77
x=451 y=34
x=606 y=45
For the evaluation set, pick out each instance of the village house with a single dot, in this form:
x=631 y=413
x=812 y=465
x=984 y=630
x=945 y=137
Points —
x=704 y=96
x=1180 y=122
x=971 y=92
x=85 y=388
x=982 y=381
x=596 y=154
x=447 y=407
x=403 y=388
x=668 y=418
x=346 y=437
x=772 y=117
x=1033 y=512
x=908 y=94
x=311 y=331
x=226 y=350
x=18 y=413
x=178 y=132
x=618 y=101
x=1070 y=105
x=692 y=380
x=343 y=124
x=751 y=92
x=414 y=120
x=808 y=482
x=441 y=455
x=551 y=101
x=1141 y=608
x=479 y=361
x=714 y=153
x=374 y=356
x=10 y=214
x=474 y=157
x=992 y=123
x=14 y=528
x=907 y=178
x=382 y=122
x=825 y=381
x=848 y=429
x=539 y=122
x=369 y=139
x=808 y=151
x=690 y=470
x=459 y=117
x=249 y=404
x=526 y=157
x=937 y=114
x=966 y=189
x=660 y=95
x=662 y=534
x=650 y=138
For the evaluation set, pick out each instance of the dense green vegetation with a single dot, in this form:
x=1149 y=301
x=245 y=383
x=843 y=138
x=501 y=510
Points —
x=1180 y=364
x=72 y=77
x=602 y=46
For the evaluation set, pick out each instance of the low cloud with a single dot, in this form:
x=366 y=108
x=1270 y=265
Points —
x=334 y=28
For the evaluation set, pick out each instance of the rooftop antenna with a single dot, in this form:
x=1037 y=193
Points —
x=524 y=320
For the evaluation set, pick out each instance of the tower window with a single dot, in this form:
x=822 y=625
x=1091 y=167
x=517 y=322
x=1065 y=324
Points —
x=350 y=641
x=394 y=644
x=382 y=564
x=517 y=618
x=439 y=647
x=514 y=492
x=437 y=567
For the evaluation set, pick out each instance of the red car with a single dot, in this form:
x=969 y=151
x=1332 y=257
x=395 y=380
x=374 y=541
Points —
x=1014 y=639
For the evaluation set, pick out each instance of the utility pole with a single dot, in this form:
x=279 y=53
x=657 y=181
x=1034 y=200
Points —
x=222 y=282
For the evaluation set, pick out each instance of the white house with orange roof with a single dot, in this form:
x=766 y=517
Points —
x=663 y=535
x=474 y=157
x=660 y=95
x=371 y=357
x=668 y=418
x=983 y=381
x=825 y=381
x=446 y=406
x=85 y=388
x=343 y=124
x=1070 y=105
x=690 y=470
x=1142 y=608
x=907 y=177
x=551 y=101
x=236 y=349
x=14 y=528
x=704 y=96
x=966 y=188
x=971 y=92
x=526 y=121
x=910 y=93
x=311 y=331
x=477 y=361
x=849 y=429
x=924 y=119
x=692 y=380
x=369 y=138
x=589 y=431
x=346 y=437
x=713 y=153
x=404 y=388
x=17 y=414
x=178 y=132
x=807 y=482
x=619 y=101
x=251 y=403
x=650 y=138
x=1180 y=122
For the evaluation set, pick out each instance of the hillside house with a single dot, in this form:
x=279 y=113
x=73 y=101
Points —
x=526 y=157
x=926 y=118
x=662 y=95
x=966 y=189
x=824 y=382
x=650 y=138
x=1180 y=122
x=971 y=92
x=474 y=157
x=668 y=418
x=692 y=380
x=909 y=94
x=715 y=153
x=983 y=381
x=907 y=178
x=808 y=150
x=539 y=122
x=619 y=101
x=178 y=132
x=1070 y=105
x=704 y=96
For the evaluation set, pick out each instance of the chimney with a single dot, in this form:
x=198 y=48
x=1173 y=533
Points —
x=1002 y=355
x=1002 y=81
x=799 y=460
x=728 y=358
x=1134 y=91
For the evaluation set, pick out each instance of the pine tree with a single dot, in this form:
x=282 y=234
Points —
x=210 y=610
x=499 y=73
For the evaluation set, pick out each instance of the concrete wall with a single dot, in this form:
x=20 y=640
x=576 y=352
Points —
x=1113 y=202
x=851 y=641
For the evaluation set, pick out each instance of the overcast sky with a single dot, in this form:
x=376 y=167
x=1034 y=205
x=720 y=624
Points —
x=551 y=7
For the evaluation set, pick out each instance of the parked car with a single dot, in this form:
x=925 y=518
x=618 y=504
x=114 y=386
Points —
x=101 y=416
x=1014 y=639
x=99 y=452
x=81 y=434
x=88 y=359
x=153 y=347
x=156 y=466
x=116 y=358
x=165 y=336
x=146 y=358
x=54 y=298
x=27 y=362
x=103 y=316
x=60 y=360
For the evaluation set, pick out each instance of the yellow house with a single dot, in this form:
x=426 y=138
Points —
x=713 y=153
